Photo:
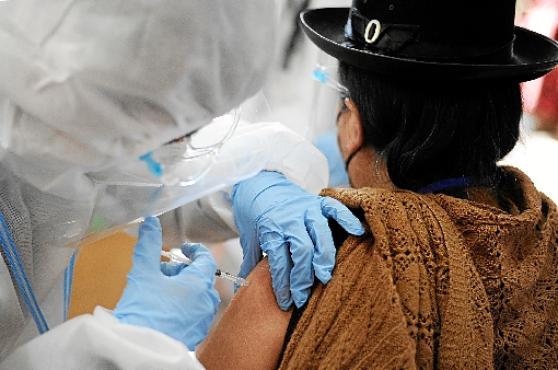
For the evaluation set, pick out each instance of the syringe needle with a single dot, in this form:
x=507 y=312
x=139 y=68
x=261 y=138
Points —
x=228 y=276
x=181 y=258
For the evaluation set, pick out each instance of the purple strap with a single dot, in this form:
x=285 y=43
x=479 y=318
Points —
x=457 y=182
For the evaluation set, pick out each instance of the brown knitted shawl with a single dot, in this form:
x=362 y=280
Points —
x=438 y=282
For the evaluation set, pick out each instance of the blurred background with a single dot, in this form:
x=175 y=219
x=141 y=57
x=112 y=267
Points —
x=292 y=98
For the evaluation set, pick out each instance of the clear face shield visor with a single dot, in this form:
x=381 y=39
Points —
x=328 y=94
x=181 y=162
x=68 y=206
x=177 y=173
x=166 y=178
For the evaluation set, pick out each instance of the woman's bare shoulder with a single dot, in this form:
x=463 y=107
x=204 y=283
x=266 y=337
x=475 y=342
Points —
x=251 y=333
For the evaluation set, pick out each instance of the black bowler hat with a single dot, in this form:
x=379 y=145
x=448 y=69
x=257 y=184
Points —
x=432 y=39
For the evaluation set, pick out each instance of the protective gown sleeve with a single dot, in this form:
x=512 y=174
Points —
x=272 y=147
x=100 y=341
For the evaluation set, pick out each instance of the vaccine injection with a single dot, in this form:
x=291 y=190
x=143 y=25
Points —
x=176 y=256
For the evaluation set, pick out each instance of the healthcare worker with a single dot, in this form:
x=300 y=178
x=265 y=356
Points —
x=95 y=96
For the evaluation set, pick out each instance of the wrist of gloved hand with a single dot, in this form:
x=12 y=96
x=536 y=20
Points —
x=177 y=300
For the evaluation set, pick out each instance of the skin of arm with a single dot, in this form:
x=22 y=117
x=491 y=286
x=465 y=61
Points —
x=251 y=333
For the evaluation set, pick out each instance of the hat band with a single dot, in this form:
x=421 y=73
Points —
x=403 y=40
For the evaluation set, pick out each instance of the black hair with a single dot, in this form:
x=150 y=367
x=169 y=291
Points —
x=429 y=131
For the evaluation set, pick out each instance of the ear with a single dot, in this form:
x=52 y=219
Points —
x=352 y=131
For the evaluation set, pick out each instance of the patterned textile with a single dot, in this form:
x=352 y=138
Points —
x=438 y=282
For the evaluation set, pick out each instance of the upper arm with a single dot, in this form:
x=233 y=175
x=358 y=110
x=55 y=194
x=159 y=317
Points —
x=251 y=333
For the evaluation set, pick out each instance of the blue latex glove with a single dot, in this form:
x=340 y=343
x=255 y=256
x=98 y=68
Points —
x=177 y=300
x=329 y=146
x=291 y=226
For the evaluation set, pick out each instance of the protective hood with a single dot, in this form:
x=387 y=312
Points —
x=87 y=83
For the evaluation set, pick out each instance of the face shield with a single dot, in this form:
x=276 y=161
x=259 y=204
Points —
x=93 y=204
x=177 y=173
x=168 y=177
x=180 y=162
x=329 y=100
x=328 y=94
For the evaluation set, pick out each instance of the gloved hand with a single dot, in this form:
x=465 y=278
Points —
x=277 y=217
x=177 y=300
x=328 y=145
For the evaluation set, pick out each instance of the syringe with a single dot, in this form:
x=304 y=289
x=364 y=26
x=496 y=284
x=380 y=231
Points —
x=176 y=256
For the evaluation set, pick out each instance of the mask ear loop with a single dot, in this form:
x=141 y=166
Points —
x=350 y=158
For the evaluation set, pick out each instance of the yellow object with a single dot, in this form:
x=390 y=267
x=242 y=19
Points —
x=100 y=273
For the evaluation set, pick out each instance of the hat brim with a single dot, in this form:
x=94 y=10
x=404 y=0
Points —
x=533 y=54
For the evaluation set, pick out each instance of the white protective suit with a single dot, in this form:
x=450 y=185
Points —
x=85 y=84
